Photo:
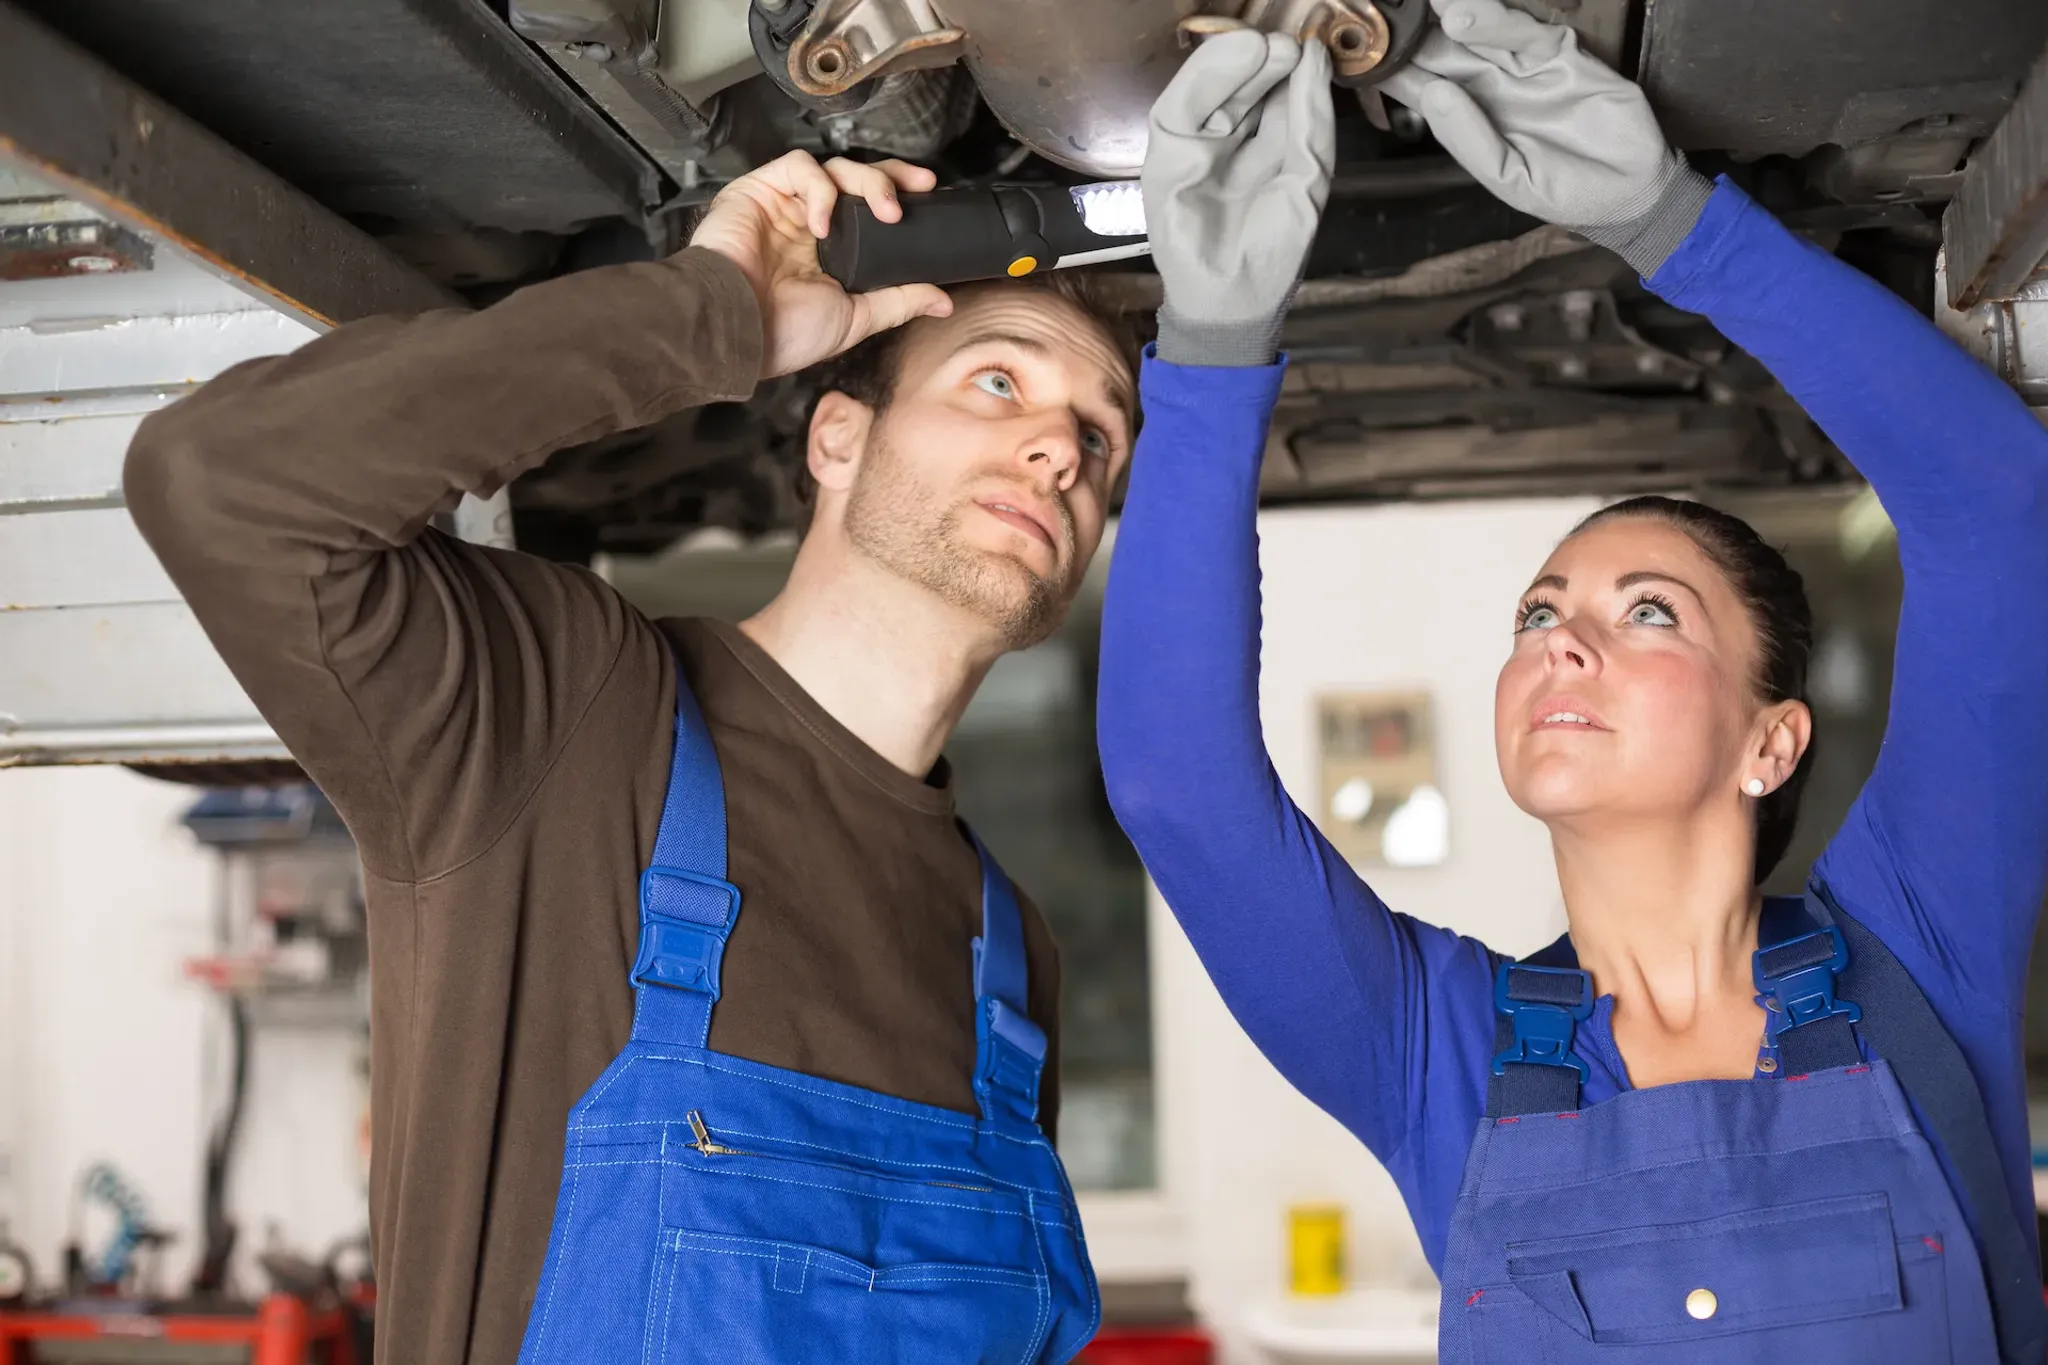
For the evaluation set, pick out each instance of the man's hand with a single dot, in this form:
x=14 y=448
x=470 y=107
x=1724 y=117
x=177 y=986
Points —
x=1236 y=176
x=1551 y=130
x=768 y=223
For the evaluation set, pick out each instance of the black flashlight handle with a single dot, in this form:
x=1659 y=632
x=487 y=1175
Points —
x=956 y=235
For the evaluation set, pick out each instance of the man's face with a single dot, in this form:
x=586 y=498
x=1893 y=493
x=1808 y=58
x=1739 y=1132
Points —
x=987 y=479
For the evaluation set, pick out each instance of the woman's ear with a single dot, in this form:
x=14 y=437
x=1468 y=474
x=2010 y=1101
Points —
x=1787 y=731
x=838 y=438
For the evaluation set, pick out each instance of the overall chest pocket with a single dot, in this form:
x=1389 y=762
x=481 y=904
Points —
x=720 y=1299
x=1829 y=1276
x=819 y=1259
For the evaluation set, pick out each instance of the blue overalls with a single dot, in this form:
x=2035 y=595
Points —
x=716 y=1211
x=1802 y=1218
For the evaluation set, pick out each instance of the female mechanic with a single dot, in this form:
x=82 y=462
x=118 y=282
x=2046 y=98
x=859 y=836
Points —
x=1653 y=1141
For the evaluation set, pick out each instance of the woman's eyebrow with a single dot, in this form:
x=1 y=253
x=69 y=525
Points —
x=1629 y=580
x=1559 y=582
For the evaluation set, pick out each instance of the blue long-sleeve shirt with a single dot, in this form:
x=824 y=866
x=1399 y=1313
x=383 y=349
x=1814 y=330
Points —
x=1387 y=1022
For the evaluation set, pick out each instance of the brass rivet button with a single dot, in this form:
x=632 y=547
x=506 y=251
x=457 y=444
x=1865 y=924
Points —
x=1701 y=1304
x=1767 y=1065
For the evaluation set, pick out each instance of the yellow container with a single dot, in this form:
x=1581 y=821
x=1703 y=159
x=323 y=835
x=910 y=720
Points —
x=1315 y=1249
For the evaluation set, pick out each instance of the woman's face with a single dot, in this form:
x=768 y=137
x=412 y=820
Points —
x=1629 y=688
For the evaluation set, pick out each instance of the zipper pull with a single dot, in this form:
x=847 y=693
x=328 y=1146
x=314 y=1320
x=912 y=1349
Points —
x=704 y=1143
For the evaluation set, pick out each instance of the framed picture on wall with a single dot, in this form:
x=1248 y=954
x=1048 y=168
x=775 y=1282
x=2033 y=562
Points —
x=1381 y=805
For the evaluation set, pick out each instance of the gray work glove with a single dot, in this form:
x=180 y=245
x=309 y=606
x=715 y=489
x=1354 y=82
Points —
x=1551 y=130
x=1236 y=176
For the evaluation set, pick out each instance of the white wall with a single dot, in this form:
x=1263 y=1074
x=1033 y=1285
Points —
x=108 y=1053
x=1354 y=599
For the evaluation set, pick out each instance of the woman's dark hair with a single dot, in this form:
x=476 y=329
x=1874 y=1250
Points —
x=1775 y=597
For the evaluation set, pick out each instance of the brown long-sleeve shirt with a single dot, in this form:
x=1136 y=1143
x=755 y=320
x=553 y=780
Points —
x=496 y=730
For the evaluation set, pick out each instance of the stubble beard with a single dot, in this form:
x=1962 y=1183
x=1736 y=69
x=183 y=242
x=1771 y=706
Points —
x=909 y=530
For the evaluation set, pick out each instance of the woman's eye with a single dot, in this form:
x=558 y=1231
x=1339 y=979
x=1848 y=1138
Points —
x=1538 y=618
x=997 y=383
x=1649 y=613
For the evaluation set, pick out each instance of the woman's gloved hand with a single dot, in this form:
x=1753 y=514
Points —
x=1236 y=176
x=1551 y=130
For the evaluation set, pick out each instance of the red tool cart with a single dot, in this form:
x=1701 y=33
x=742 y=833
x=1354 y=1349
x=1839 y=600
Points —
x=1138 y=1346
x=281 y=1330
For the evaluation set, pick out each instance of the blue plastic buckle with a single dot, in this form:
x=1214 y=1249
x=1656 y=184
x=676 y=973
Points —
x=1807 y=994
x=1018 y=1030
x=1543 y=1031
x=1010 y=1057
x=678 y=953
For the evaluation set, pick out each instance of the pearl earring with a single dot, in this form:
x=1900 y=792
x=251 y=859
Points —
x=1755 y=786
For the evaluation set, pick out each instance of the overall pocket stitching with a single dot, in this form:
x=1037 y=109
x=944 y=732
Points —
x=668 y=1306
x=552 y=1266
x=1710 y=1152
x=705 y=1169
x=1598 y=1253
x=658 y=1128
x=962 y=1122
x=590 y=1103
x=680 y=1239
x=1939 y=1263
x=1699 y=1229
x=976 y=1171
x=1044 y=1323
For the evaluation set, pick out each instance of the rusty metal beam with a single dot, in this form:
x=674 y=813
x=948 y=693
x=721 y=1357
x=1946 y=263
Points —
x=1996 y=230
x=76 y=123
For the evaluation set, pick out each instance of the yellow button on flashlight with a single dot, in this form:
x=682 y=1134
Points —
x=1023 y=266
x=1701 y=1303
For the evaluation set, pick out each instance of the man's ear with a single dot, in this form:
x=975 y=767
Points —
x=838 y=438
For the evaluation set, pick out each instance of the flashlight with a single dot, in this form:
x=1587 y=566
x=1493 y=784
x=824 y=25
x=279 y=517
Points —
x=957 y=235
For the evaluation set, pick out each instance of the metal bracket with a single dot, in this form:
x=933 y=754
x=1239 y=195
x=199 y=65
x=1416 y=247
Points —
x=1997 y=226
x=608 y=47
x=1367 y=40
x=844 y=44
x=2010 y=335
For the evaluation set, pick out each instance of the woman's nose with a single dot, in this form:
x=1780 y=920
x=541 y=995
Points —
x=1568 y=650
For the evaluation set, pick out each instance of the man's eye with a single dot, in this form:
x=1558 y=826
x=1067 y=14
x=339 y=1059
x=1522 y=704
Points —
x=997 y=383
x=1095 y=444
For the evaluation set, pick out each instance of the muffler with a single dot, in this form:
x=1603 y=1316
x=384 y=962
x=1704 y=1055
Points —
x=1073 y=80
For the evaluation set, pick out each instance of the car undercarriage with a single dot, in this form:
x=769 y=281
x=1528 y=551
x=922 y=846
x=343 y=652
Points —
x=1443 y=345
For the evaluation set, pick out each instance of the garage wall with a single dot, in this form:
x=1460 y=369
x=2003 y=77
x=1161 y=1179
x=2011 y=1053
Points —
x=1355 y=599
x=108 y=1053
x=101 y=897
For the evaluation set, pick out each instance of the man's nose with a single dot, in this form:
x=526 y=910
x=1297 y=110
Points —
x=1053 y=454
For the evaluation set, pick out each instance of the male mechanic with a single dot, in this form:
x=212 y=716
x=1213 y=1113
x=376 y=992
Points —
x=825 y=1030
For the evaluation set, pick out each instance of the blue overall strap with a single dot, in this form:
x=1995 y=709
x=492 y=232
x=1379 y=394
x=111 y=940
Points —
x=1797 y=967
x=687 y=907
x=1009 y=1046
x=1902 y=1028
x=1539 y=1004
